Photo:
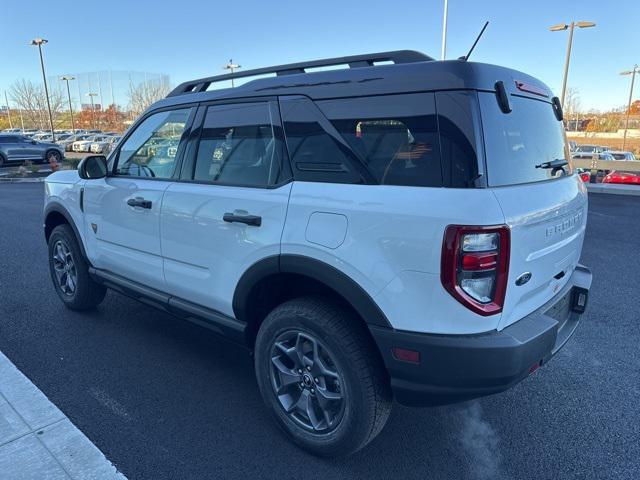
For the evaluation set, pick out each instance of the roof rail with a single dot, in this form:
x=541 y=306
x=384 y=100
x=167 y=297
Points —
x=354 y=61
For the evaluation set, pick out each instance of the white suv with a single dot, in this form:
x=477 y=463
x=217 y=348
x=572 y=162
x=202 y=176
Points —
x=402 y=228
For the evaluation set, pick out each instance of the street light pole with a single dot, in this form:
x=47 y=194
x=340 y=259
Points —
x=626 y=122
x=39 y=42
x=93 y=111
x=231 y=66
x=570 y=27
x=444 y=30
x=66 y=78
x=8 y=109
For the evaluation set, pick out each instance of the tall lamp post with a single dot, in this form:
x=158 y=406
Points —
x=93 y=110
x=66 y=78
x=633 y=72
x=443 y=54
x=570 y=27
x=8 y=110
x=231 y=66
x=39 y=42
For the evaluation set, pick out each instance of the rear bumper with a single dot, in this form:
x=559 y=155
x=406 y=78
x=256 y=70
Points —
x=454 y=368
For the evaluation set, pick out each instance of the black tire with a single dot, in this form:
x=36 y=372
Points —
x=52 y=154
x=86 y=293
x=346 y=346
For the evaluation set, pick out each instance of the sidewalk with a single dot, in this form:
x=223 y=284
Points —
x=38 y=441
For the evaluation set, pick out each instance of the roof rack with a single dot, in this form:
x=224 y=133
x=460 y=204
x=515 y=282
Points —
x=354 y=61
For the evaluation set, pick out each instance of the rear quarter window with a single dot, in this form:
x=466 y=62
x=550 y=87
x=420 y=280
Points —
x=516 y=142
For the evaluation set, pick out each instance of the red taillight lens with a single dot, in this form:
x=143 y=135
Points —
x=475 y=266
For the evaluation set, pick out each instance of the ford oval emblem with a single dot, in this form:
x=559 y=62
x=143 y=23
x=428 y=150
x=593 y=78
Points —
x=524 y=278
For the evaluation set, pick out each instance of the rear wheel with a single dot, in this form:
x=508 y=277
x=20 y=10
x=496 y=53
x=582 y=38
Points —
x=321 y=376
x=52 y=155
x=70 y=271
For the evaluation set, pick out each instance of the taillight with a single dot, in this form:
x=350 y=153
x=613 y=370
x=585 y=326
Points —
x=475 y=266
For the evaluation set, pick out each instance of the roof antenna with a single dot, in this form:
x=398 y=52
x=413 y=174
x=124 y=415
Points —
x=466 y=57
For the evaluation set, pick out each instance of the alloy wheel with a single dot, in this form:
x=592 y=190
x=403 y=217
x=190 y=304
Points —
x=64 y=268
x=307 y=382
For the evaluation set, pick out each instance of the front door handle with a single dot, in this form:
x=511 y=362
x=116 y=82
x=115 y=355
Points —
x=254 y=220
x=139 y=202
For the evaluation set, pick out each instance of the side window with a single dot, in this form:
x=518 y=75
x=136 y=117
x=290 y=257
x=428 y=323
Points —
x=316 y=154
x=238 y=146
x=150 y=151
x=459 y=120
x=395 y=135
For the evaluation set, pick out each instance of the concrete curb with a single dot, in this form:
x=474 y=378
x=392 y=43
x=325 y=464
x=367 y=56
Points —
x=38 y=441
x=614 y=189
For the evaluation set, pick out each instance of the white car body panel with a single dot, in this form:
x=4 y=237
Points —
x=547 y=222
x=387 y=239
x=393 y=244
x=127 y=239
x=204 y=256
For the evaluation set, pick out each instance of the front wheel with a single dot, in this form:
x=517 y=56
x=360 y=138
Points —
x=70 y=271
x=321 y=376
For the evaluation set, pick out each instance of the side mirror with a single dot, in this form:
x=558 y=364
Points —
x=92 y=167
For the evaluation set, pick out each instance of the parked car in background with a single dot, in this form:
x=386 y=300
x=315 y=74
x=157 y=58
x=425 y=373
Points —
x=15 y=148
x=591 y=149
x=68 y=142
x=627 y=178
x=104 y=146
x=584 y=174
x=85 y=144
x=619 y=155
x=41 y=136
x=592 y=155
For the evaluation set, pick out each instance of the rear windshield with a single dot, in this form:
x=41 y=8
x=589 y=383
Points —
x=516 y=142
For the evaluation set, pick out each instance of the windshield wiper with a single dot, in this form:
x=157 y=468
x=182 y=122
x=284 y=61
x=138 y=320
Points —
x=558 y=163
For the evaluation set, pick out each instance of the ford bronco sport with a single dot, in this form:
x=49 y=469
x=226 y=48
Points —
x=400 y=228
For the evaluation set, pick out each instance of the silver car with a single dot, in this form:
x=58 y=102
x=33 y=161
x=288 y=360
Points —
x=16 y=148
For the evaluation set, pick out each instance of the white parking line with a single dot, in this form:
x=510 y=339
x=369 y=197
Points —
x=38 y=441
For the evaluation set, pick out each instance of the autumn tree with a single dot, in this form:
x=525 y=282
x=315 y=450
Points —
x=635 y=108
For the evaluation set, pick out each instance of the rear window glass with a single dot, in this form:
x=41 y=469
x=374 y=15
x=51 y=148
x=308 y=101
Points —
x=395 y=136
x=518 y=141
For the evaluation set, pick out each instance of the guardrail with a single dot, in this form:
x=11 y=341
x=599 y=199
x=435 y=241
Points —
x=595 y=164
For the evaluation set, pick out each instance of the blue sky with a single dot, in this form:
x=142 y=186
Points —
x=195 y=38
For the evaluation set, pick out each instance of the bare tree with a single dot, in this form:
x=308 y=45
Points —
x=145 y=93
x=572 y=101
x=32 y=101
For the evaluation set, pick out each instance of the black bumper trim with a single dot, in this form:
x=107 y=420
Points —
x=454 y=368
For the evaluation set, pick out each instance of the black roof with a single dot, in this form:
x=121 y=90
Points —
x=410 y=72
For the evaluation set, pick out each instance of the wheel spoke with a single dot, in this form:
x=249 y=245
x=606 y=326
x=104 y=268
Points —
x=286 y=375
x=71 y=284
x=325 y=397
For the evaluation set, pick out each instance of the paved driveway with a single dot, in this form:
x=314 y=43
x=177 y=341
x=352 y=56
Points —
x=164 y=399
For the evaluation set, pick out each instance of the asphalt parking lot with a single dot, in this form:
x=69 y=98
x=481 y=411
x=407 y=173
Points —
x=165 y=399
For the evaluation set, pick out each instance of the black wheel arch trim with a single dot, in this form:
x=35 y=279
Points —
x=57 y=207
x=326 y=274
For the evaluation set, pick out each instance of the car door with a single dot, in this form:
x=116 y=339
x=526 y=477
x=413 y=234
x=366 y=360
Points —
x=230 y=208
x=122 y=211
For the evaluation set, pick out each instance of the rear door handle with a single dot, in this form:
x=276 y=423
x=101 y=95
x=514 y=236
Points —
x=139 y=202
x=254 y=220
